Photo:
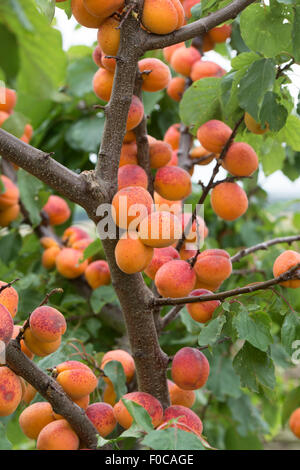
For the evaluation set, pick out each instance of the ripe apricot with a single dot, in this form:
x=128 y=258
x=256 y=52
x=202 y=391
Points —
x=57 y=210
x=159 y=76
x=190 y=369
x=172 y=136
x=29 y=392
x=104 y=9
x=176 y=88
x=9 y=298
x=7 y=216
x=109 y=37
x=128 y=154
x=129 y=137
x=103 y=418
x=35 y=417
x=28 y=130
x=213 y=266
x=133 y=202
x=135 y=114
x=83 y=17
x=68 y=263
x=181 y=397
x=188 y=420
x=73 y=234
x=77 y=383
x=10 y=391
x=24 y=348
x=188 y=5
x=202 y=312
x=180 y=12
x=39 y=348
x=294 y=422
x=47 y=324
x=175 y=278
x=132 y=175
x=147 y=401
x=168 y=51
x=162 y=204
x=98 y=274
x=172 y=183
x=71 y=365
x=57 y=435
x=8 y=99
x=284 y=262
x=207 y=43
x=132 y=256
x=220 y=33
x=3 y=116
x=97 y=56
x=204 y=69
x=213 y=135
x=109 y=63
x=160 y=16
x=109 y=394
x=124 y=358
x=174 y=159
x=49 y=257
x=11 y=194
x=160 y=229
x=198 y=228
x=254 y=126
x=6 y=324
x=160 y=153
x=160 y=257
x=229 y=201
x=103 y=83
x=48 y=242
x=188 y=251
x=183 y=59
x=240 y=159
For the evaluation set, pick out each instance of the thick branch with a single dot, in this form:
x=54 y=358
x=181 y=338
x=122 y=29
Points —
x=263 y=246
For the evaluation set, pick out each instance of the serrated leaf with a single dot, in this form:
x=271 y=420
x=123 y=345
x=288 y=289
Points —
x=172 y=439
x=247 y=416
x=115 y=372
x=210 y=333
x=272 y=112
x=255 y=329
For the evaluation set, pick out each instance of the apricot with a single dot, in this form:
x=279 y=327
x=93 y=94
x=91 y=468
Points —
x=201 y=152
x=188 y=5
x=202 y=312
x=175 y=278
x=83 y=17
x=77 y=383
x=176 y=88
x=47 y=324
x=6 y=324
x=97 y=56
x=8 y=100
x=207 y=43
x=73 y=234
x=109 y=37
x=160 y=16
x=220 y=33
x=229 y=201
x=97 y=274
x=294 y=422
x=7 y=216
x=180 y=12
x=190 y=369
x=254 y=126
x=124 y=358
x=11 y=194
x=57 y=210
x=162 y=204
x=71 y=365
x=68 y=263
x=48 y=242
x=81 y=402
x=284 y=262
x=160 y=229
x=213 y=266
x=3 y=116
x=174 y=159
x=132 y=175
x=103 y=418
x=28 y=131
x=49 y=257
x=172 y=183
x=188 y=251
x=181 y=397
x=160 y=154
x=9 y=297
x=172 y=136
x=29 y=392
x=34 y=418
x=129 y=137
x=213 y=135
x=132 y=256
x=204 y=69
x=240 y=159
x=128 y=154
x=24 y=348
x=57 y=435
x=103 y=83
x=109 y=394
x=188 y=420
x=183 y=59
x=168 y=51
x=160 y=257
x=147 y=401
x=40 y=348
x=135 y=114
x=10 y=391
x=130 y=203
x=103 y=9
x=197 y=227
x=159 y=76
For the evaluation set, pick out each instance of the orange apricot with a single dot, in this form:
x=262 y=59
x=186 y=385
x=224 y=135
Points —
x=40 y=348
x=34 y=418
x=49 y=257
x=8 y=99
x=156 y=75
x=175 y=278
x=213 y=266
x=213 y=135
x=229 y=201
x=160 y=16
x=198 y=228
x=188 y=251
x=129 y=137
x=180 y=12
x=24 y=348
x=160 y=229
x=160 y=154
x=294 y=422
x=48 y=242
x=176 y=88
x=109 y=37
x=57 y=210
x=83 y=17
x=11 y=194
x=147 y=401
x=73 y=234
x=160 y=257
x=77 y=383
x=168 y=51
x=220 y=33
x=29 y=392
x=9 y=298
x=3 y=116
x=207 y=43
x=284 y=262
x=202 y=312
x=135 y=114
x=10 y=391
x=103 y=418
x=109 y=394
x=188 y=420
x=68 y=263
x=132 y=256
x=97 y=56
x=183 y=59
x=6 y=324
x=240 y=159
x=181 y=397
x=28 y=130
x=172 y=183
x=124 y=358
x=103 y=83
x=172 y=136
x=204 y=69
x=57 y=435
x=201 y=153
x=190 y=369
x=254 y=126
x=8 y=215
x=97 y=274
x=130 y=205
x=103 y=9
x=188 y=5
x=128 y=154
x=132 y=175
x=71 y=365
x=47 y=324
x=174 y=159
x=162 y=204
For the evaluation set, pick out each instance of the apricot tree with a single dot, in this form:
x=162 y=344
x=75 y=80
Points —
x=219 y=318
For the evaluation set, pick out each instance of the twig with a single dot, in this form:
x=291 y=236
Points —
x=263 y=246
x=9 y=284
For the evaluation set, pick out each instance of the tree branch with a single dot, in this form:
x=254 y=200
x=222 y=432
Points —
x=263 y=246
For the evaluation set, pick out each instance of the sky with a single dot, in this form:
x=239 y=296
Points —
x=276 y=184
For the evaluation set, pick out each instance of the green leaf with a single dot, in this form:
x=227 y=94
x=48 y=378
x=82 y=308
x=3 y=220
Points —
x=210 y=333
x=10 y=246
x=291 y=402
x=172 y=439
x=67 y=7
x=85 y=134
x=200 y=102
x=254 y=328
x=47 y=8
x=234 y=441
x=290 y=332
x=115 y=372
x=223 y=381
x=244 y=60
x=296 y=33
x=256 y=82
x=93 y=248
x=272 y=112
x=80 y=76
x=30 y=187
x=9 y=54
x=5 y=444
x=247 y=416
x=140 y=416
x=255 y=368
x=272 y=156
x=267 y=30
x=290 y=133
x=15 y=124
x=102 y=296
